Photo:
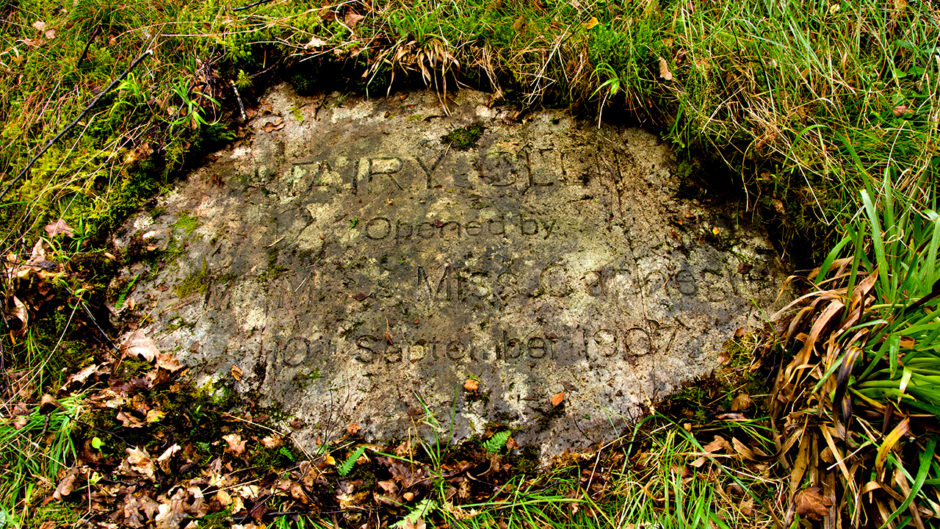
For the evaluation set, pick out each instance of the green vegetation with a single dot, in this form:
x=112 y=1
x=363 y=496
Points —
x=464 y=138
x=825 y=112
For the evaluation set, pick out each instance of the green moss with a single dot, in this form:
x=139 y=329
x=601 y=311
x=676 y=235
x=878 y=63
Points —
x=464 y=138
x=195 y=283
x=56 y=513
x=186 y=222
x=273 y=270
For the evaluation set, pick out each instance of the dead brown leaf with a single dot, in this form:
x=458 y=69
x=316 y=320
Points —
x=138 y=460
x=417 y=524
x=272 y=126
x=741 y=402
x=718 y=443
x=811 y=503
x=900 y=110
x=21 y=313
x=128 y=420
x=236 y=445
x=155 y=416
x=237 y=373
x=664 y=72
x=82 y=375
x=471 y=385
x=168 y=362
x=59 y=227
x=353 y=18
x=591 y=23
x=271 y=442
x=66 y=486
x=558 y=398
x=167 y=456
x=48 y=403
x=139 y=345
x=224 y=498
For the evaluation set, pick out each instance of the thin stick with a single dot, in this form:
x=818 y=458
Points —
x=241 y=106
x=249 y=6
x=78 y=118
x=87 y=45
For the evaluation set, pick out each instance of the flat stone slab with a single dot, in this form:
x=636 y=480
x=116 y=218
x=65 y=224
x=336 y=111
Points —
x=356 y=267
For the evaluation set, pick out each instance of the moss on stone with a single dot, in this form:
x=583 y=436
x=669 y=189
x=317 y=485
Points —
x=195 y=283
x=464 y=138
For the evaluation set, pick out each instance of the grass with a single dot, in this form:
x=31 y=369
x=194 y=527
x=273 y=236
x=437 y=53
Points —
x=863 y=382
x=826 y=112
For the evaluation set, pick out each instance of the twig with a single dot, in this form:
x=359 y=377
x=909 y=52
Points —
x=249 y=6
x=241 y=106
x=78 y=118
x=87 y=45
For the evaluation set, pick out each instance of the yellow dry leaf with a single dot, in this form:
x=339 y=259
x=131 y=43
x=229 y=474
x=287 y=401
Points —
x=591 y=23
x=155 y=416
x=664 y=72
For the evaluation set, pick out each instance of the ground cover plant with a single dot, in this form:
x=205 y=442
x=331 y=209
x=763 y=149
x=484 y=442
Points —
x=824 y=113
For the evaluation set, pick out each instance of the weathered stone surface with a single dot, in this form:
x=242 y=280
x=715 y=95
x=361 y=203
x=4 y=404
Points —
x=356 y=268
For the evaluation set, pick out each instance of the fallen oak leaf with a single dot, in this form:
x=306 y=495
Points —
x=271 y=442
x=138 y=460
x=66 y=486
x=353 y=18
x=48 y=403
x=139 y=345
x=236 y=445
x=59 y=227
x=155 y=416
x=129 y=421
x=82 y=375
x=811 y=503
x=168 y=362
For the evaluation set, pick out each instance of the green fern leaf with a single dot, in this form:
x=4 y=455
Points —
x=423 y=509
x=496 y=443
x=347 y=465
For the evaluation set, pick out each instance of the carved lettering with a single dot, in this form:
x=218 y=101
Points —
x=371 y=169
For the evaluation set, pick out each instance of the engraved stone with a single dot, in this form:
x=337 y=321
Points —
x=358 y=268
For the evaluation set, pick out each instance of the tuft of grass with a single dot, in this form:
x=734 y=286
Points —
x=34 y=452
x=860 y=393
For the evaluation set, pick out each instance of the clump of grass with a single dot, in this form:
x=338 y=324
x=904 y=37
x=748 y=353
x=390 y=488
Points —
x=34 y=447
x=858 y=403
